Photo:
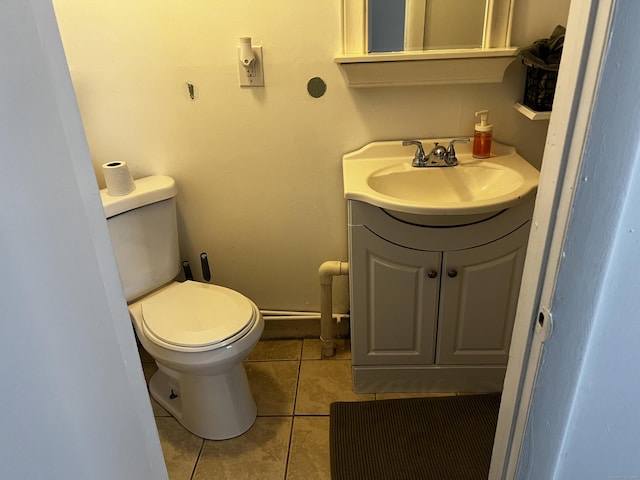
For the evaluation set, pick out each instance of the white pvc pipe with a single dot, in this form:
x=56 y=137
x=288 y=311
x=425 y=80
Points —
x=286 y=315
x=291 y=317
x=326 y=272
x=283 y=313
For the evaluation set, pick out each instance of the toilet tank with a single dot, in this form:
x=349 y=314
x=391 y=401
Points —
x=144 y=234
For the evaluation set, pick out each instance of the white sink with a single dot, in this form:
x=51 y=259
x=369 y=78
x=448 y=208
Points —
x=381 y=174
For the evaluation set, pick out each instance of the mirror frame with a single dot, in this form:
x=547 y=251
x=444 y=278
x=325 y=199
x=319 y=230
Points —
x=429 y=67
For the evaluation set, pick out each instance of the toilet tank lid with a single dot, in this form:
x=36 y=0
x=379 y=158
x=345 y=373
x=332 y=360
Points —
x=148 y=190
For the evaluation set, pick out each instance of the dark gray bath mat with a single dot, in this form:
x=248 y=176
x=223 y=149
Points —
x=439 y=438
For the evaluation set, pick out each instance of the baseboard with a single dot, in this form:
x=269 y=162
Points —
x=428 y=378
x=277 y=328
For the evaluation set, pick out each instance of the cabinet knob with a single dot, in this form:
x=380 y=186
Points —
x=432 y=273
x=452 y=272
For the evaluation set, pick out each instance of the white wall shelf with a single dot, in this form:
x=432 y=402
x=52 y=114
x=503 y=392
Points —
x=426 y=68
x=530 y=113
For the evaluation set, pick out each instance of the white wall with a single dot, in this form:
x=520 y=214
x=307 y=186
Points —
x=74 y=403
x=259 y=170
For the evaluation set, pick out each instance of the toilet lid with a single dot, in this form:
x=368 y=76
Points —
x=196 y=314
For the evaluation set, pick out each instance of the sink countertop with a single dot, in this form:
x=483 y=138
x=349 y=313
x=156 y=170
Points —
x=381 y=174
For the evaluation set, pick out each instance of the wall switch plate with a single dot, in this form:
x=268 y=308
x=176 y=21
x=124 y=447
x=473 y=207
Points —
x=254 y=75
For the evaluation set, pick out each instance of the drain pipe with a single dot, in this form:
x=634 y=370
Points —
x=326 y=273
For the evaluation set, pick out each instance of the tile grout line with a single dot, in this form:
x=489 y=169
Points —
x=195 y=465
x=293 y=412
x=295 y=398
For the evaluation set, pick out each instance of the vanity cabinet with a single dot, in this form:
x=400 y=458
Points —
x=395 y=305
x=478 y=300
x=433 y=304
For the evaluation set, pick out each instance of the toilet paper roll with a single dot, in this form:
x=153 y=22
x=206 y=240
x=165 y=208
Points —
x=118 y=179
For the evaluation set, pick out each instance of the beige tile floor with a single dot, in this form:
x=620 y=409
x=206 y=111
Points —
x=293 y=388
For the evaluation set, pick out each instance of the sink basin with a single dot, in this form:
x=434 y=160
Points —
x=381 y=174
x=473 y=182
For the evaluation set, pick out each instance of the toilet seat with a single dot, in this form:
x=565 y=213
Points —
x=193 y=316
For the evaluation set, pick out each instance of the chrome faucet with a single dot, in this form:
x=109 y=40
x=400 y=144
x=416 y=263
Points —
x=419 y=159
x=439 y=156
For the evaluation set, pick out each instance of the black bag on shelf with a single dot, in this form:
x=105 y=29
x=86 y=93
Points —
x=542 y=59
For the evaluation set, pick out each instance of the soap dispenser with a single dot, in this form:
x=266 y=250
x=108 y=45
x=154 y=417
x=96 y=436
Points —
x=482 y=136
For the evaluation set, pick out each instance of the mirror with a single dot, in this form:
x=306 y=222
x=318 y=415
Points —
x=416 y=25
x=391 y=26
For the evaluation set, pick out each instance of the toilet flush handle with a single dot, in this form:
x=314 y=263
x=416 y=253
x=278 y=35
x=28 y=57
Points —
x=204 y=261
x=188 y=275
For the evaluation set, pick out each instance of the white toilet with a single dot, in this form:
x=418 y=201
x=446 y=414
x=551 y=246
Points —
x=198 y=333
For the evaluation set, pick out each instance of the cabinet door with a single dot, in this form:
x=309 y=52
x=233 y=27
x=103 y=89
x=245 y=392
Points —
x=478 y=300
x=393 y=301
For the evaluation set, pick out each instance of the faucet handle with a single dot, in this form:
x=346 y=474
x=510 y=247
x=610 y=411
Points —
x=417 y=143
x=461 y=140
x=451 y=152
x=419 y=159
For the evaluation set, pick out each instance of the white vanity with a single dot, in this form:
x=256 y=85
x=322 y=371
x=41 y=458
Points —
x=435 y=271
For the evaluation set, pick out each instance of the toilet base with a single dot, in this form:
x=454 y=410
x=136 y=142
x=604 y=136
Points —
x=215 y=407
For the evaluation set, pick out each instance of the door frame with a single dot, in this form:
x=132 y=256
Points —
x=585 y=45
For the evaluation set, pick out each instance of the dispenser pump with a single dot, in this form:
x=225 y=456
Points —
x=483 y=126
x=482 y=136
